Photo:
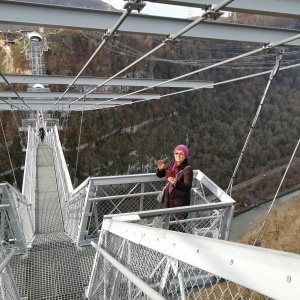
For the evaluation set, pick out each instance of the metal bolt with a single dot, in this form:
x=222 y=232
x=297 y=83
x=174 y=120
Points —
x=288 y=279
x=231 y=262
x=174 y=244
x=157 y=239
x=197 y=251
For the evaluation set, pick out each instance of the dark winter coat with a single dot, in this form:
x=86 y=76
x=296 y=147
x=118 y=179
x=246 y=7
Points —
x=180 y=195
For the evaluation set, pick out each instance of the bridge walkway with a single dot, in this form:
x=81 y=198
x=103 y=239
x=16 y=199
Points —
x=54 y=267
x=48 y=211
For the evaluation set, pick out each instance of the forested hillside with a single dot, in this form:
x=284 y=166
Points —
x=214 y=123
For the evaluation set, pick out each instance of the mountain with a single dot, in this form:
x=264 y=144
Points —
x=214 y=123
x=97 y=4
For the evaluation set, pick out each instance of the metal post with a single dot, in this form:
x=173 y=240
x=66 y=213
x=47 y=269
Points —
x=152 y=294
x=7 y=259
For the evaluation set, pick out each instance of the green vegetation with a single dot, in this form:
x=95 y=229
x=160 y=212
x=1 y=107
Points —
x=281 y=231
x=214 y=123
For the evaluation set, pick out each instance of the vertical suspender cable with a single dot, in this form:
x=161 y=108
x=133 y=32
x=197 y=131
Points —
x=65 y=133
x=108 y=34
x=212 y=11
x=272 y=75
x=75 y=177
x=13 y=89
x=256 y=242
x=11 y=165
x=16 y=122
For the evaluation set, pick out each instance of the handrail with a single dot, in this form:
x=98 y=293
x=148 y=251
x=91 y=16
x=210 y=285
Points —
x=29 y=177
x=151 y=293
x=18 y=220
x=108 y=195
x=8 y=287
x=7 y=259
x=63 y=179
x=205 y=265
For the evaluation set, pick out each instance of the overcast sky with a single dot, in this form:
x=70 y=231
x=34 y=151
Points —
x=161 y=9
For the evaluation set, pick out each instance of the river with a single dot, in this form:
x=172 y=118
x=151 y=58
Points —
x=248 y=220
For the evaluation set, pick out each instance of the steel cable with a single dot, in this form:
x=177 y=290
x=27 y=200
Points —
x=11 y=165
x=257 y=242
x=272 y=75
x=169 y=39
x=111 y=32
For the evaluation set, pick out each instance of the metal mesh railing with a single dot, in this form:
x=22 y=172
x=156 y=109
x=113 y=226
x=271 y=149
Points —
x=203 y=220
x=64 y=185
x=172 y=278
x=8 y=289
x=51 y=123
x=24 y=212
x=74 y=208
x=29 y=176
x=137 y=193
x=26 y=123
x=6 y=232
x=183 y=266
x=121 y=198
x=17 y=219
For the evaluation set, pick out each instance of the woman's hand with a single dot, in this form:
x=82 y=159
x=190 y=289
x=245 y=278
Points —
x=160 y=164
x=172 y=180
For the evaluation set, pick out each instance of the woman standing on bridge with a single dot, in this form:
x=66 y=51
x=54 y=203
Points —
x=179 y=175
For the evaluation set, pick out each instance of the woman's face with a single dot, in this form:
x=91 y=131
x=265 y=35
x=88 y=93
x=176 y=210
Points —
x=179 y=156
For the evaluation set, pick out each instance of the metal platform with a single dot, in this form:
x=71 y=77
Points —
x=54 y=267
x=48 y=212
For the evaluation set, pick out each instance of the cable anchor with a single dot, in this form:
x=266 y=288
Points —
x=210 y=12
x=132 y=5
x=108 y=36
x=170 y=39
x=277 y=63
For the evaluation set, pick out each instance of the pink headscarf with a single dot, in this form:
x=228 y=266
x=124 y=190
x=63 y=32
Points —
x=185 y=150
x=182 y=148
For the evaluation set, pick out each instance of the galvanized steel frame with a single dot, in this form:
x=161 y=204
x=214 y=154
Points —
x=276 y=273
x=19 y=218
x=8 y=288
x=87 y=191
x=65 y=80
x=63 y=179
x=89 y=19
x=29 y=176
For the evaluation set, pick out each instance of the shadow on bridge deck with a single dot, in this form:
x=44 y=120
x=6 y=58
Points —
x=48 y=211
x=54 y=267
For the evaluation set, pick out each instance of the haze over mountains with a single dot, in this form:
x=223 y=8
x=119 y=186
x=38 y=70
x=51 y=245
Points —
x=94 y=4
x=214 y=123
x=98 y=4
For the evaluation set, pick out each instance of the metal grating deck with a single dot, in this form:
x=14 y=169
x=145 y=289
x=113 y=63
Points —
x=48 y=211
x=54 y=269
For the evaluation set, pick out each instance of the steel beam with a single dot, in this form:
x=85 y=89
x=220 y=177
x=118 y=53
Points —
x=269 y=272
x=48 y=106
x=13 y=12
x=73 y=95
x=66 y=102
x=94 y=81
x=13 y=219
x=279 y=8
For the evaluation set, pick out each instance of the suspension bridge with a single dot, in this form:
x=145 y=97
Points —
x=108 y=238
